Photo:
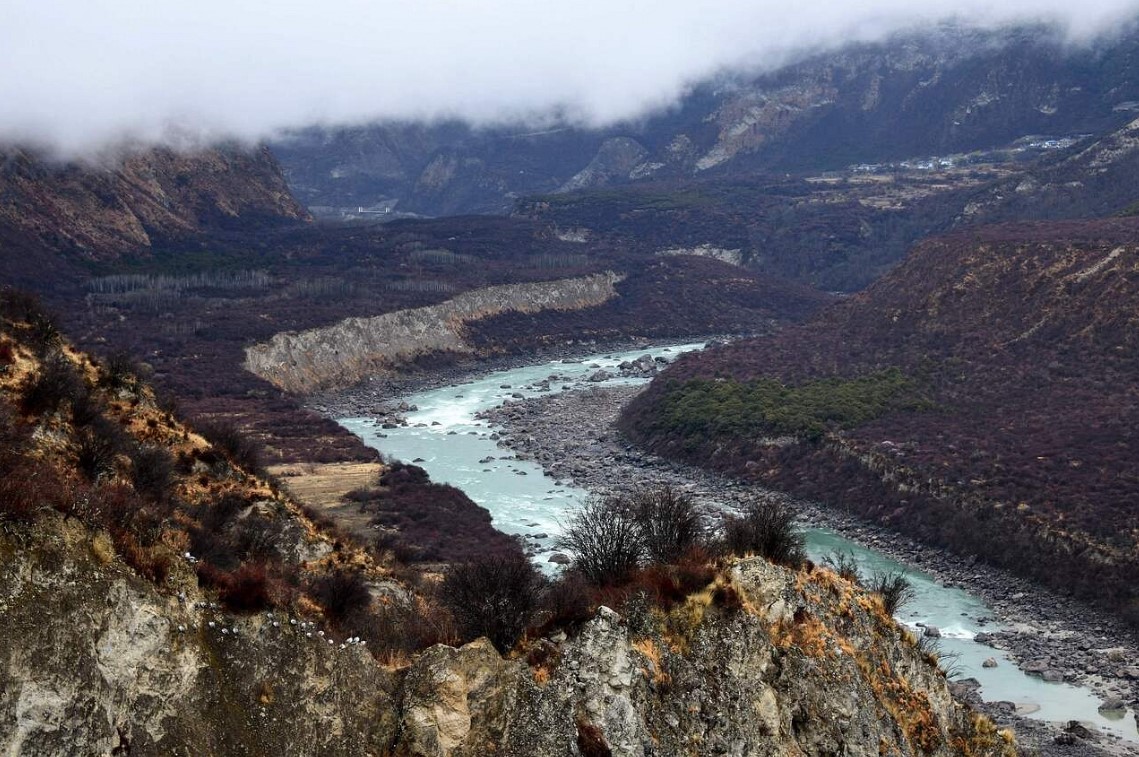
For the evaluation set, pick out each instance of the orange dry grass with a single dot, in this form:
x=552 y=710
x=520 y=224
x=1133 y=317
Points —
x=652 y=653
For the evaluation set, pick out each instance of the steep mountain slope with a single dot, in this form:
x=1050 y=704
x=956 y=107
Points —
x=981 y=396
x=930 y=92
x=130 y=202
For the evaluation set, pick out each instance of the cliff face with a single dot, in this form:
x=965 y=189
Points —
x=804 y=666
x=128 y=203
x=94 y=659
x=343 y=354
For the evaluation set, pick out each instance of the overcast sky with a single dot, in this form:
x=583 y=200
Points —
x=79 y=74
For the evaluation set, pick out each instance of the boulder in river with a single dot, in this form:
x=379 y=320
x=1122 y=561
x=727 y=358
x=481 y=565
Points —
x=1113 y=704
x=990 y=662
x=560 y=559
x=933 y=632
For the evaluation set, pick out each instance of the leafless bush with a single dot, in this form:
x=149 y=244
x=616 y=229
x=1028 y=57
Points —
x=341 y=593
x=152 y=472
x=218 y=514
x=567 y=601
x=244 y=451
x=894 y=588
x=604 y=540
x=667 y=521
x=766 y=528
x=493 y=596
x=844 y=564
x=257 y=538
x=98 y=447
x=120 y=372
x=56 y=382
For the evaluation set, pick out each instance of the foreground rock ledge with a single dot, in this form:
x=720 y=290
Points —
x=764 y=662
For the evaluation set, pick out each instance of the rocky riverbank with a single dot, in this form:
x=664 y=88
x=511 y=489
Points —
x=571 y=435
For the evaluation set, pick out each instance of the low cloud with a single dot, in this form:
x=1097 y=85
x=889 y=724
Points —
x=85 y=74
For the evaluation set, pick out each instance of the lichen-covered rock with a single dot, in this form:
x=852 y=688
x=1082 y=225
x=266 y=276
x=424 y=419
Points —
x=93 y=658
x=798 y=664
x=764 y=662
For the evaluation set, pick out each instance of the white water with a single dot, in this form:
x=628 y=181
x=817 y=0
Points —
x=524 y=501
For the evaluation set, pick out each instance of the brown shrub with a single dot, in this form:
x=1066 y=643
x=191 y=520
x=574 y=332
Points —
x=152 y=563
x=19 y=497
x=55 y=383
x=248 y=589
x=568 y=602
x=212 y=548
x=28 y=485
x=244 y=451
x=97 y=448
x=765 y=528
x=257 y=538
x=590 y=740
x=153 y=472
x=120 y=372
x=494 y=597
x=114 y=506
x=666 y=585
x=341 y=593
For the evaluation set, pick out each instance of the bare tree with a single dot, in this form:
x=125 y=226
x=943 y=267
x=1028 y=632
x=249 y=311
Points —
x=667 y=521
x=604 y=540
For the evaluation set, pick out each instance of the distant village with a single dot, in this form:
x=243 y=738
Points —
x=1000 y=155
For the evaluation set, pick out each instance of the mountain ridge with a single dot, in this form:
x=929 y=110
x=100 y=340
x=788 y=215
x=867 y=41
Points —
x=925 y=92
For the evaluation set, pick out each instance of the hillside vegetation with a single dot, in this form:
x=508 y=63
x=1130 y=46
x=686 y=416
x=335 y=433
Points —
x=1006 y=430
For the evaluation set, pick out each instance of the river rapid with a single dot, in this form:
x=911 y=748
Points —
x=447 y=436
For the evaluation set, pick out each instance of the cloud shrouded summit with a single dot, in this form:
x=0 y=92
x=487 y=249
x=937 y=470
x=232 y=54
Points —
x=78 y=75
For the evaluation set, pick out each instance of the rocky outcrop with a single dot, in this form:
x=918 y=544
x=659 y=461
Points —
x=94 y=659
x=732 y=257
x=710 y=677
x=765 y=662
x=616 y=159
x=341 y=355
